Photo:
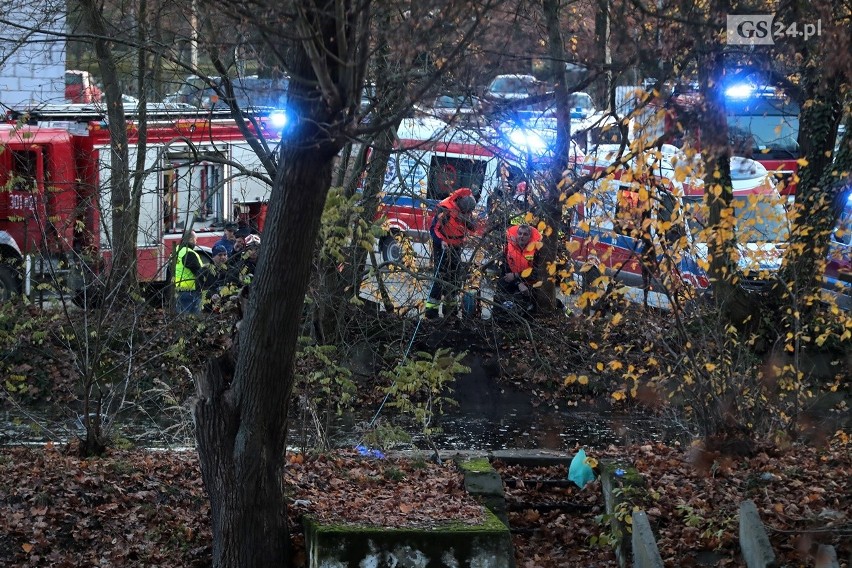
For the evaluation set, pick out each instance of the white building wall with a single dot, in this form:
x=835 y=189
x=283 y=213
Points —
x=32 y=62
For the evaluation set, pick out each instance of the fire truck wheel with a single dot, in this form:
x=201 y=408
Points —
x=392 y=248
x=9 y=285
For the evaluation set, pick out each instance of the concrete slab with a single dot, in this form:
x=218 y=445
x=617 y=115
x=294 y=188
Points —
x=341 y=546
x=826 y=557
x=645 y=551
x=532 y=458
x=754 y=542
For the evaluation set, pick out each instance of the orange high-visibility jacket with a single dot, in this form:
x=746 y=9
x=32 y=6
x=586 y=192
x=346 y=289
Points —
x=450 y=227
x=517 y=259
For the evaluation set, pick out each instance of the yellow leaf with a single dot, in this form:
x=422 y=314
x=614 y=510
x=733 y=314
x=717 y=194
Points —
x=574 y=200
x=616 y=319
x=27 y=547
x=615 y=365
x=802 y=162
x=541 y=226
x=710 y=367
x=570 y=379
x=591 y=462
x=618 y=395
x=593 y=345
x=599 y=366
x=583 y=380
x=526 y=273
x=551 y=268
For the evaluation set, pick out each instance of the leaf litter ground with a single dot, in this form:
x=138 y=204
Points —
x=137 y=508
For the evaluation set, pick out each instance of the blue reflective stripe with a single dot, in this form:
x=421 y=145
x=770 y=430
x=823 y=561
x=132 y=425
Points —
x=401 y=200
x=609 y=237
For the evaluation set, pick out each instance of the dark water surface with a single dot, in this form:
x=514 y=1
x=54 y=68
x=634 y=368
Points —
x=489 y=416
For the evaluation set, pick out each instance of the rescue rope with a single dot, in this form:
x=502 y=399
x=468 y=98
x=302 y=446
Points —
x=410 y=343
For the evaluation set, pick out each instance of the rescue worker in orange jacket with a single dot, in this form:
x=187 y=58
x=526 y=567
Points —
x=519 y=274
x=452 y=224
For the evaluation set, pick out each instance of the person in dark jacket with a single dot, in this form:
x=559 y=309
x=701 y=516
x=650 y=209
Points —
x=214 y=277
x=228 y=239
x=243 y=264
x=452 y=224
x=187 y=270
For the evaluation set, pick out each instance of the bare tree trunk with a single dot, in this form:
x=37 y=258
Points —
x=241 y=428
x=719 y=191
x=819 y=183
x=603 y=29
x=558 y=182
x=125 y=211
x=334 y=308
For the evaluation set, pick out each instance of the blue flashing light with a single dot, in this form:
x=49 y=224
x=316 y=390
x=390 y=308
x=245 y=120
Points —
x=278 y=119
x=740 y=91
x=531 y=141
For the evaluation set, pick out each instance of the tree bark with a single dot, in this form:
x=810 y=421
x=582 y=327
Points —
x=241 y=427
x=718 y=187
x=558 y=182
x=124 y=210
x=816 y=192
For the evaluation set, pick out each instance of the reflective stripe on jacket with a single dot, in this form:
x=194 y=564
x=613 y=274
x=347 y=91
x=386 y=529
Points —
x=519 y=260
x=184 y=277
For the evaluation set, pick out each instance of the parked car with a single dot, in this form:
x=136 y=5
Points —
x=582 y=105
x=249 y=93
x=448 y=107
x=80 y=87
x=505 y=88
x=190 y=92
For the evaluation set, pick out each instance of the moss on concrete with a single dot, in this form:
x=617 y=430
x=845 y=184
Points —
x=455 y=543
x=476 y=465
x=489 y=523
x=631 y=477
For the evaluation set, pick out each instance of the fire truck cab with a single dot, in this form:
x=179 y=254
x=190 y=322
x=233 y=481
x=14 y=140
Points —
x=55 y=209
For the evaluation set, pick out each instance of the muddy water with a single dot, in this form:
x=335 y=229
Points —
x=489 y=416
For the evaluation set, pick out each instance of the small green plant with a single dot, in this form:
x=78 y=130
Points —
x=419 y=387
x=691 y=516
x=393 y=474
x=322 y=385
x=620 y=521
x=383 y=435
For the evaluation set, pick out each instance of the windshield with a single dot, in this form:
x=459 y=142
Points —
x=449 y=101
x=512 y=85
x=581 y=100
x=760 y=220
x=764 y=134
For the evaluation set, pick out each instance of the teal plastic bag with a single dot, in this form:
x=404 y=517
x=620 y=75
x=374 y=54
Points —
x=580 y=472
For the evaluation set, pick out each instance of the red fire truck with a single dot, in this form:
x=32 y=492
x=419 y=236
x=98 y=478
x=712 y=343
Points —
x=55 y=217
